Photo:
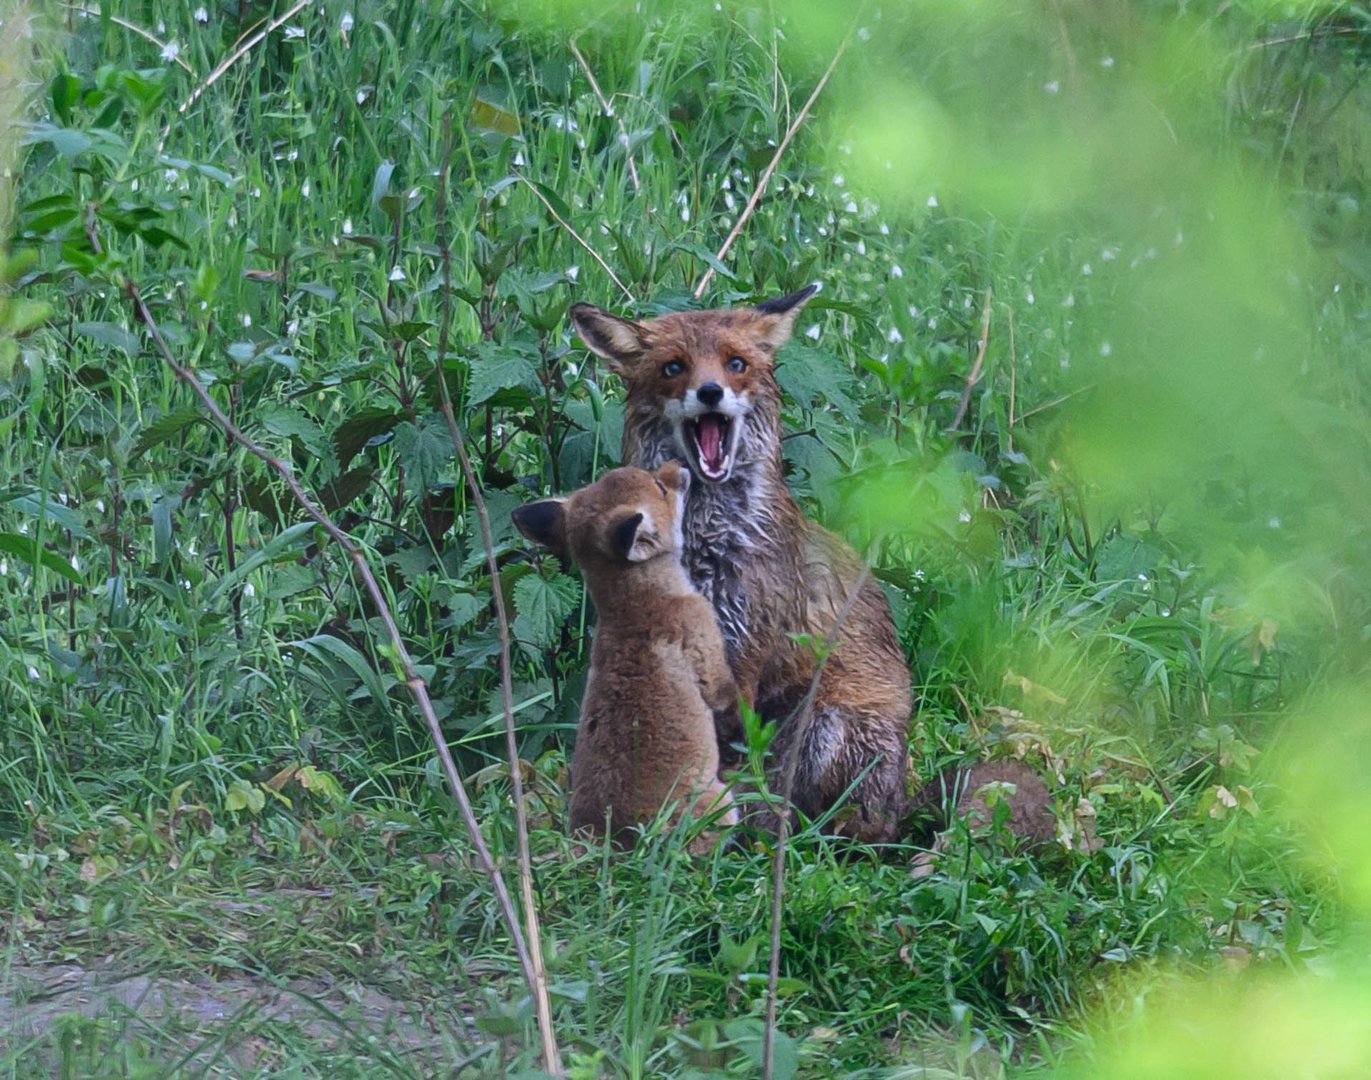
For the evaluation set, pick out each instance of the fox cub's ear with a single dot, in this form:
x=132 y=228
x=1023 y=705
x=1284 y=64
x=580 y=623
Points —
x=773 y=331
x=618 y=340
x=543 y=522
x=674 y=475
x=635 y=538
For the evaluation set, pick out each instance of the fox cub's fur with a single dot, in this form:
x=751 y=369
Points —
x=702 y=391
x=659 y=682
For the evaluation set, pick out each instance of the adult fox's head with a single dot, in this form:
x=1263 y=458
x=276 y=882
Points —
x=701 y=384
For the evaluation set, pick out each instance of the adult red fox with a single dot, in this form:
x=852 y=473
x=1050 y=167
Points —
x=702 y=390
x=659 y=682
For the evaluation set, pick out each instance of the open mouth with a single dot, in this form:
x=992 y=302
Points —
x=708 y=436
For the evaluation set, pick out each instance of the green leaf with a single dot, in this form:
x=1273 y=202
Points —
x=487 y=116
x=425 y=450
x=359 y=429
x=327 y=648
x=812 y=377
x=347 y=487
x=111 y=334
x=244 y=796
x=285 y=545
x=165 y=427
x=27 y=548
x=542 y=604
x=291 y=422
x=499 y=368
x=42 y=505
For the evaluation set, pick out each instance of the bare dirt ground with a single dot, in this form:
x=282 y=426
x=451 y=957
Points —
x=221 y=1025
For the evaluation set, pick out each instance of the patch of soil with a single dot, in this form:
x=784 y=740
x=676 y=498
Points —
x=236 y=1018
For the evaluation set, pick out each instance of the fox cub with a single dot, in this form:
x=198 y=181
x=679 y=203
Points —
x=659 y=680
x=702 y=390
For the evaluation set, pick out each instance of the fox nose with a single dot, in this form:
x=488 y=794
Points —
x=710 y=394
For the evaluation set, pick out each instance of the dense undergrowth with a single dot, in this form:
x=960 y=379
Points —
x=1124 y=535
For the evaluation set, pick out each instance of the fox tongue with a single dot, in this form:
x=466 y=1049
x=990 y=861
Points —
x=711 y=439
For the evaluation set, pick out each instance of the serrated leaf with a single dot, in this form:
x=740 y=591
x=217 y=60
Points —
x=425 y=449
x=462 y=609
x=499 y=368
x=290 y=422
x=542 y=604
x=813 y=377
x=359 y=428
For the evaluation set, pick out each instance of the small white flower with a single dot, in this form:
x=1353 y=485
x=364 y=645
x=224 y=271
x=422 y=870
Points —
x=4 y=568
x=345 y=24
x=100 y=506
x=831 y=219
x=863 y=34
x=1109 y=254
x=133 y=185
x=201 y=16
x=838 y=180
x=685 y=213
x=185 y=584
x=894 y=337
x=1029 y=296
x=884 y=230
x=249 y=591
x=919 y=575
x=913 y=312
x=171 y=176
x=256 y=193
x=1106 y=349
x=1166 y=612
x=1142 y=577
x=1273 y=522
x=813 y=332
x=304 y=190
x=850 y=207
x=347 y=226
x=573 y=272
x=730 y=201
x=861 y=247
x=1052 y=87
x=292 y=327
x=361 y=96
x=1107 y=62
x=247 y=319
x=964 y=516
x=62 y=498
x=932 y=201
x=294 y=32
x=1070 y=300
x=396 y=274
x=1086 y=269
x=727 y=184
x=933 y=324
x=896 y=270
x=823 y=231
x=76 y=564
x=33 y=672
x=161 y=27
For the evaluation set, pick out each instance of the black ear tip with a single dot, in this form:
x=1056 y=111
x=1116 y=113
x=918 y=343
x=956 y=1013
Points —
x=538 y=521
x=783 y=304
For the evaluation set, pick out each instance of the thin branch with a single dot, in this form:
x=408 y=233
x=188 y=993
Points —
x=552 y=1058
x=249 y=43
x=574 y=234
x=413 y=680
x=765 y=178
x=608 y=111
x=975 y=375
x=798 y=730
x=132 y=28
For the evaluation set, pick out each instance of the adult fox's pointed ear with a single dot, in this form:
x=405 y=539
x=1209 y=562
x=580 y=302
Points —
x=543 y=522
x=779 y=316
x=618 y=341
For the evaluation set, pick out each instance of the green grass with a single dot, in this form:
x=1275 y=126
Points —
x=1140 y=561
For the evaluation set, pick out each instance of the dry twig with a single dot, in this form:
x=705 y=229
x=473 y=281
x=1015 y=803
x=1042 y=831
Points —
x=975 y=374
x=574 y=234
x=765 y=178
x=608 y=111
x=552 y=1060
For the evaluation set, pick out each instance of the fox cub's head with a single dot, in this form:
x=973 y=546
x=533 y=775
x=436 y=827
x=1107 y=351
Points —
x=700 y=383
x=627 y=516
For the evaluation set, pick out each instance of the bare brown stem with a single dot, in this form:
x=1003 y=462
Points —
x=975 y=374
x=575 y=235
x=765 y=178
x=552 y=1059
x=413 y=680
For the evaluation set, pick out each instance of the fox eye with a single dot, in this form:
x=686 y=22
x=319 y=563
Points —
x=736 y=364
x=662 y=488
x=672 y=368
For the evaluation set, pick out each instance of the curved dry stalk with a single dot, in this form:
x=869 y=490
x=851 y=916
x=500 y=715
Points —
x=248 y=43
x=413 y=680
x=608 y=111
x=803 y=717
x=765 y=178
x=552 y=1059
x=132 y=28
x=574 y=234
